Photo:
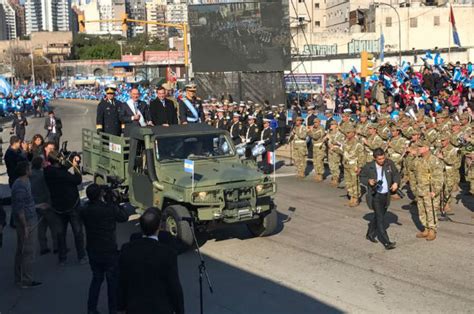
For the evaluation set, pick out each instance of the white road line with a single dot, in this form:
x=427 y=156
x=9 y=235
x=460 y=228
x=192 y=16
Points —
x=281 y=175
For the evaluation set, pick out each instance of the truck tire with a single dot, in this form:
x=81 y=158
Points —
x=265 y=225
x=178 y=228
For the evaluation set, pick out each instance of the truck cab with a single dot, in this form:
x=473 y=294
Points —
x=221 y=188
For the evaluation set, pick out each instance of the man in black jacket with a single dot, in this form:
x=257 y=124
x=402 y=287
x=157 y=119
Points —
x=381 y=177
x=100 y=218
x=54 y=126
x=162 y=110
x=148 y=273
x=134 y=112
x=62 y=182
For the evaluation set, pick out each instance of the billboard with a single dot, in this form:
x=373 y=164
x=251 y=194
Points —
x=240 y=36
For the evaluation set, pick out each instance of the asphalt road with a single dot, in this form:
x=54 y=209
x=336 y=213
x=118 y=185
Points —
x=319 y=261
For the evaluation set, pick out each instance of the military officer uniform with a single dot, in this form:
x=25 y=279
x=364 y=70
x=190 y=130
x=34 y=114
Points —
x=396 y=148
x=362 y=126
x=266 y=138
x=317 y=133
x=299 y=147
x=236 y=129
x=108 y=118
x=372 y=142
x=251 y=136
x=383 y=129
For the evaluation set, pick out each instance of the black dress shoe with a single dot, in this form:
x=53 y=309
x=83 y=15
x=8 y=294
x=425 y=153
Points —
x=390 y=245
x=45 y=251
x=371 y=238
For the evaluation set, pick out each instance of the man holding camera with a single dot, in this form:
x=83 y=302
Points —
x=100 y=216
x=62 y=177
x=381 y=177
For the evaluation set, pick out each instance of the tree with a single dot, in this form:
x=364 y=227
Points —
x=141 y=43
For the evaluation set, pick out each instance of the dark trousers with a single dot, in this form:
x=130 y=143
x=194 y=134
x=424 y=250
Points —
x=103 y=266
x=46 y=220
x=281 y=134
x=3 y=215
x=54 y=137
x=24 y=257
x=61 y=222
x=377 y=225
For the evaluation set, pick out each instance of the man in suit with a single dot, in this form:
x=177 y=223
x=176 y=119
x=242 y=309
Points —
x=148 y=273
x=19 y=125
x=162 y=110
x=134 y=113
x=381 y=178
x=54 y=127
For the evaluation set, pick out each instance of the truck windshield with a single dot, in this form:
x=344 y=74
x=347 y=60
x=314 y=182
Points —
x=193 y=147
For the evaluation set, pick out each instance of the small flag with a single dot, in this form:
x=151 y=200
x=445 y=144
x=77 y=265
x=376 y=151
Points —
x=438 y=61
x=456 y=40
x=271 y=158
x=189 y=166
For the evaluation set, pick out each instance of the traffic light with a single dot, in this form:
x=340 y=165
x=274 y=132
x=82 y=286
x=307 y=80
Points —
x=367 y=63
x=124 y=23
x=82 y=23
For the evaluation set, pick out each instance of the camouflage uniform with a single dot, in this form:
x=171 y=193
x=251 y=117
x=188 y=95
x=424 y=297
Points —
x=300 y=149
x=384 y=132
x=396 y=150
x=317 y=134
x=353 y=159
x=373 y=142
x=335 y=139
x=470 y=171
x=451 y=159
x=429 y=179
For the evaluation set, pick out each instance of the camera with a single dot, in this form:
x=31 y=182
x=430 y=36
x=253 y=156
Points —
x=66 y=157
x=112 y=193
x=378 y=185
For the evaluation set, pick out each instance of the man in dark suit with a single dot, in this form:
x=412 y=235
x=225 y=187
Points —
x=148 y=273
x=54 y=127
x=134 y=113
x=381 y=177
x=19 y=125
x=162 y=110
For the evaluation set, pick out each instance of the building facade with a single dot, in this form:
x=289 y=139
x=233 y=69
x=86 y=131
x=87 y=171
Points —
x=136 y=9
x=8 y=19
x=156 y=11
x=47 y=15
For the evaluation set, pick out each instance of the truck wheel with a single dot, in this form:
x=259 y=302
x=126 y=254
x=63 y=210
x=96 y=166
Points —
x=178 y=228
x=265 y=225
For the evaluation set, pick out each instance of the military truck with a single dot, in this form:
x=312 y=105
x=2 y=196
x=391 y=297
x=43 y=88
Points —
x=149 y=168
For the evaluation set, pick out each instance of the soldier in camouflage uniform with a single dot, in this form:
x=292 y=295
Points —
x=298 y=136
x=353 y=159
x=410 y=161
x=431 y=134
x=443 y=123
x=346 y=122
x=372 y=142
x=429 y=183
x=451 y=159
x=316 y=132
x=335 y=140
x=362 y=127
x=383 y=129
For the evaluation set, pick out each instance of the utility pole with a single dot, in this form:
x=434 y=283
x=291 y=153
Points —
x=33 y=67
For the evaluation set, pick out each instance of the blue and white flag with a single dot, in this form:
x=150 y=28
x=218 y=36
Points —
x=438 y=61
x=188 y=166
x=456 y=39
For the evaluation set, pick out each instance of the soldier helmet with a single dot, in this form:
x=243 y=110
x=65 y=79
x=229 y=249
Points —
x=347 y=112
x=423 y=143
x=333 y=122
x=372 y=126
x=191 y=87
x=251 y=117
x=236 y=115
x=299 y=119
x=266 y=120
x=110 y=89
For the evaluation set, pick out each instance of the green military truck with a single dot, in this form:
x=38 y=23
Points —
x=149 y=168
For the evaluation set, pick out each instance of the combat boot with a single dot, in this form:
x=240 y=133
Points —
x=318 y=178
x=300 y=175
x=354 y=202
x=431 y=235
x=334 y=183
x=423 y=234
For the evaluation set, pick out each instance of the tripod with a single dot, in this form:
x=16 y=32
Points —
x=202 y=268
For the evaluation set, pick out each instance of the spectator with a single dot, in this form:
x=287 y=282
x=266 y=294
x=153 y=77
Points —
x=100 y=220
x=48 y=148
x=148 y=273
x=23 y=209
x=13 y=156
x=62 y=182
x=37 y=144
x=54 y=126
x=46 y=216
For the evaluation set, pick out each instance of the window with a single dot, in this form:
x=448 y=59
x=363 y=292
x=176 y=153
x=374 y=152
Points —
x=388 y=21
x=316 y=5
x=436 y=20
x=317 y=23
x=413 y=22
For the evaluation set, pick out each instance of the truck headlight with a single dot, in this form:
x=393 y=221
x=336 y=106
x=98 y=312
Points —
x=202 y=195
x=259 y=188
x=263 y=189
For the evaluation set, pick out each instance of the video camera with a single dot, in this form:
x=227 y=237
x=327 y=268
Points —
x=65 y=156
x=378 y=186
x=112 y=193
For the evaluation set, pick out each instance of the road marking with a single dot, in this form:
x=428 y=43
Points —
x=281 y=175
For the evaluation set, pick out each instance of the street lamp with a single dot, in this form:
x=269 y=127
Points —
x=399 y=30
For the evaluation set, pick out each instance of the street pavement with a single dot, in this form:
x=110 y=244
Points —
x=318 y=261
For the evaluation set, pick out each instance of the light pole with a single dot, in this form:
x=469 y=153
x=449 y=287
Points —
x=399 y=30
x=33 y=67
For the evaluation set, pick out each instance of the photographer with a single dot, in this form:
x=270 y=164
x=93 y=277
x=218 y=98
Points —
x=62 y=181
x=100 y=216
x=380 y=177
